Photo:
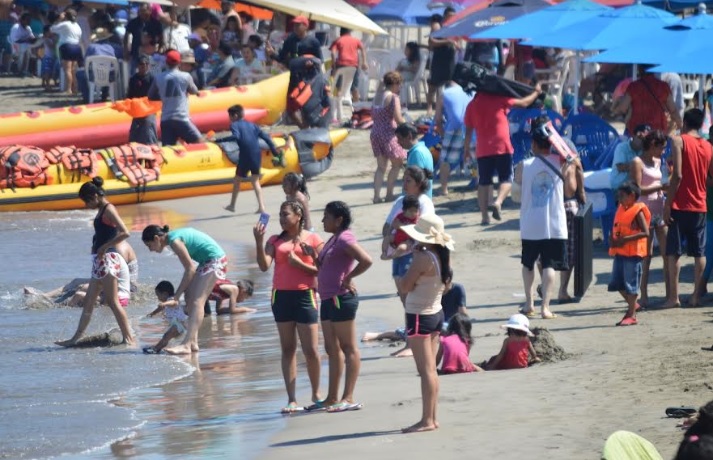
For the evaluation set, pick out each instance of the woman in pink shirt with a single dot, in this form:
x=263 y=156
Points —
x=340 y=301
x=294 y=300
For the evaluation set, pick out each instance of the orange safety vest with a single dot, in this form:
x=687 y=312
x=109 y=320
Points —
x=23 y=166
x=625 y=224
x=138 y=163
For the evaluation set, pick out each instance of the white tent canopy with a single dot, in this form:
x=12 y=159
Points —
x=334 y=12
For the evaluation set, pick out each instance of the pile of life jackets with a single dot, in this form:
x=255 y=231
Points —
x=28 y=167
x=23 y=166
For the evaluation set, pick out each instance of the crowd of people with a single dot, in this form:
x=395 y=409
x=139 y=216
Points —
x=314 y=281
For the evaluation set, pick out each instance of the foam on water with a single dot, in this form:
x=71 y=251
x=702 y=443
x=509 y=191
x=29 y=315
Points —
x=81 y=401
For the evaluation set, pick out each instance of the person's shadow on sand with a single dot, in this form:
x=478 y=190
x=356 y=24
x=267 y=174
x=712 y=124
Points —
x=335 y=437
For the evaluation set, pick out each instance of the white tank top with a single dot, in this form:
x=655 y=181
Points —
x=542 y=214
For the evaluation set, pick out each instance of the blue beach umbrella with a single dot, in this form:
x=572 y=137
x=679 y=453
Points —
x=495 y=15
x=608 y=30
x=689 y=36
x=544 y=21
x=411 y=12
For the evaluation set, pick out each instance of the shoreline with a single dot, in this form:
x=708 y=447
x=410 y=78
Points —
x=616 y=379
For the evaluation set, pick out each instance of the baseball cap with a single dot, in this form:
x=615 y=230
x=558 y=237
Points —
x=121 y=15
x=173 y=57
x=300 y=20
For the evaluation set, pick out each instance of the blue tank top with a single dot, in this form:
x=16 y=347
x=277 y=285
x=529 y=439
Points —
x=102 y=232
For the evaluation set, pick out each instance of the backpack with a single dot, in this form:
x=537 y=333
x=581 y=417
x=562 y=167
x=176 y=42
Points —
x=23 y=166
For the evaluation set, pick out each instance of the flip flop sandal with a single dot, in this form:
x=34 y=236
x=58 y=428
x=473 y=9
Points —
x=495 y=211
x=550 y=316
x=680 y=412
x=344 y=407
x=291 y=409
x=529 y=314
x=316 y=407
x=150 y=351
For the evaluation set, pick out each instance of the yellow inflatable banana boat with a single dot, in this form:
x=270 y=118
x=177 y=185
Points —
x=98 y=125
x=135 y=173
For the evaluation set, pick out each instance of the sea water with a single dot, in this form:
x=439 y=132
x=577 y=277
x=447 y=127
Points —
x=118 y=402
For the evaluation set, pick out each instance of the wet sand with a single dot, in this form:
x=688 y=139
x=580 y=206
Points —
x=616 y=379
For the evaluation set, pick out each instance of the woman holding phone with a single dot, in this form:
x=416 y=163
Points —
x=294 y=300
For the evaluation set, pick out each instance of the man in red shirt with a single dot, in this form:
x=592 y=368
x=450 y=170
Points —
x=651 y=103
x=685 y=208
x=488 y=115
x=346 y=51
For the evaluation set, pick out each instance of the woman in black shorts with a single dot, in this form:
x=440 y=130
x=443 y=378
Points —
x=424 y=283
x=341 y=259
x=70 y=50
x=294 y=296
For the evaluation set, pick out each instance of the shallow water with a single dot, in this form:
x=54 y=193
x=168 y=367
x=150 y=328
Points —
x=56 y=401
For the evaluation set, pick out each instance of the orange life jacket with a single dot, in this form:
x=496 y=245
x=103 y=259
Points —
x=625 y=224
x=82 y=161
x=138 y=163
x=23 y=166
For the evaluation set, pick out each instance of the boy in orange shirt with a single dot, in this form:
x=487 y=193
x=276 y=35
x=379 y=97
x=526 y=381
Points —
x=628 y=245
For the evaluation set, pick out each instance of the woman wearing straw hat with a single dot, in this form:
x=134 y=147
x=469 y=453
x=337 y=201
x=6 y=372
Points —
x=423 y=284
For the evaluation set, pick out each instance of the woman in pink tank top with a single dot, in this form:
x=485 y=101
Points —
x=294 y=299
x=647 y=174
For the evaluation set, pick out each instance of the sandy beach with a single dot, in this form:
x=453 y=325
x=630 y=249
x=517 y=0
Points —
x=616 y=378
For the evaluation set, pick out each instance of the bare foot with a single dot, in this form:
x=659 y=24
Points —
x=377 y=200
x=368 y=336
x=402 y=353
x=180 y=350
x=230 y=208
x=669 y=304
x=420 y=427
x=693 y=302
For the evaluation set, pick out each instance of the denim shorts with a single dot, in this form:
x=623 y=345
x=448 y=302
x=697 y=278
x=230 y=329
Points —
x=400 y=265
x=625 y=275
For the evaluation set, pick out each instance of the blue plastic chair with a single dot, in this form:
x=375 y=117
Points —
x=591 y=135
x=606 y=215
x=520 y=137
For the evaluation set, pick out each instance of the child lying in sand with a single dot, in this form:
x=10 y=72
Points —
x=517 y=351
x=234 y=293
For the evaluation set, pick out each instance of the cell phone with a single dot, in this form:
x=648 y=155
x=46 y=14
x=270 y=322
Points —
x=264 y=218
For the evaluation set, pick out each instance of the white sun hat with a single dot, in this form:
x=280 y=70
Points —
x=519 y=322
x=430 y=230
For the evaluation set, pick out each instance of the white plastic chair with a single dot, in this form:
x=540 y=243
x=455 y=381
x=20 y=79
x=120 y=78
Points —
x=690 y=86
x=343 y=94
x=376 y=60
x=559 y=80
x=102 y=71
x=412 y=89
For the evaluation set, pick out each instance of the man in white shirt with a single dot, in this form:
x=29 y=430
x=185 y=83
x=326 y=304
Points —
x=22 y=38
x=543 y=220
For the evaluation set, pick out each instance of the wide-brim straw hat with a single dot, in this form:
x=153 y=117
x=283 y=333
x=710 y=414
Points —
x=101 y=33
x=430 y=230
